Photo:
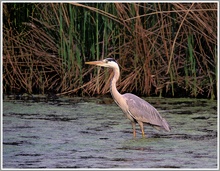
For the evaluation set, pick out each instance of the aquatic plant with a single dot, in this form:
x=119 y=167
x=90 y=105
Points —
x=164 y=49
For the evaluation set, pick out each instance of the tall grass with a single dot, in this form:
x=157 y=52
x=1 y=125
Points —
x=163 y=49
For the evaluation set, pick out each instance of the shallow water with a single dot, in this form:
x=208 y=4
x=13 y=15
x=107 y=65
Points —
x=86 y=133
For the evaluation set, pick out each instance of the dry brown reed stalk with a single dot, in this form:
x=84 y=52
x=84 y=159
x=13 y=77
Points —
x=13 y=75
x=174 y=44
x=162 y=48
x=47 y=70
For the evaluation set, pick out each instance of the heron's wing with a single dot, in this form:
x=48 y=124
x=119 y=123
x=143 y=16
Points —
x=142 y=111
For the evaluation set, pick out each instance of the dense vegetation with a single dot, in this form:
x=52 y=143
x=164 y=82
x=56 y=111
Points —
x=163 y=49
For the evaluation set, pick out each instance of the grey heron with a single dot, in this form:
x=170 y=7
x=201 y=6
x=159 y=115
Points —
x=136 y=109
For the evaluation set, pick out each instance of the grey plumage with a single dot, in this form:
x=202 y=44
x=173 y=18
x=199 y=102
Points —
x=145 y=112
x=136 y=109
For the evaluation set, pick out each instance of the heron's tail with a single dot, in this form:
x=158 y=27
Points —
x=166 y=125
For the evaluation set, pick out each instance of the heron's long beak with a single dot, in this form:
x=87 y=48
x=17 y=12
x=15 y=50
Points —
x=98 y=63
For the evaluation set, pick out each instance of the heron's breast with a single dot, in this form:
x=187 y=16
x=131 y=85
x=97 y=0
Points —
x=124 y=107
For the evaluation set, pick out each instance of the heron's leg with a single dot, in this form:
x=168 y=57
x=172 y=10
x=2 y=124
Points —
x=133 y=126
x=142 y=129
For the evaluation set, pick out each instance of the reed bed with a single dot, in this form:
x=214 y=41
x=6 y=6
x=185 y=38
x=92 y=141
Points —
x=163 y=49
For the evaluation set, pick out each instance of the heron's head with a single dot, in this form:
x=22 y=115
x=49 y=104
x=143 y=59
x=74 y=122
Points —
x=108 y=62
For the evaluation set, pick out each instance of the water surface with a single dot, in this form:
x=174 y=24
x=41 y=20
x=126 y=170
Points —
x=87 y=133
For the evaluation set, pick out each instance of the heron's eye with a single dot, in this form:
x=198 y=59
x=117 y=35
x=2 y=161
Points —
x=105 y=60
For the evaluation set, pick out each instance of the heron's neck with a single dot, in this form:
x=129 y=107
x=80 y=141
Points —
x=115 y=94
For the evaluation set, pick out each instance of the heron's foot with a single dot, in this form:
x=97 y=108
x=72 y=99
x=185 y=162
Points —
x=144 y=136
x=134 y=134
